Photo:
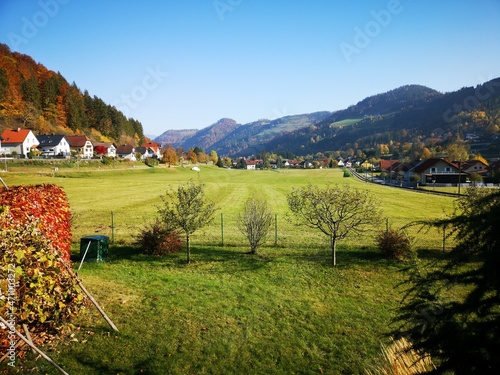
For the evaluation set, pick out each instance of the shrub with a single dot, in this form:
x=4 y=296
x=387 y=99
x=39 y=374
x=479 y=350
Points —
x=37 y=286
x=107 y=160
x=157 y=239
x=394 y=244
x=152 y=162
x=346 y=173
x=49 y=204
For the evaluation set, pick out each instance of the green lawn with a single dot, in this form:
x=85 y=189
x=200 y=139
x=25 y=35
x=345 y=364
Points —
x=282 y=312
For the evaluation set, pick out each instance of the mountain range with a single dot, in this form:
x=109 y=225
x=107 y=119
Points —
x=408 y=114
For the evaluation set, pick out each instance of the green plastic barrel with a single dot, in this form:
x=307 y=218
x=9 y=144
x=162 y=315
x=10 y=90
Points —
x=97 y=248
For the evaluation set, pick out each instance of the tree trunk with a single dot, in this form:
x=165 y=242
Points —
x=334 y=254
x=188 y=248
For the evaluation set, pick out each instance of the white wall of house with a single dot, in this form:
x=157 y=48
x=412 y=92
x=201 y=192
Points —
x=29 y=142
x=88 y=150
x=61 y=149
x=111 y=151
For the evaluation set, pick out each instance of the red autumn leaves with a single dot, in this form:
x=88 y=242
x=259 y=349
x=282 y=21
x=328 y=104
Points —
x=47 y=203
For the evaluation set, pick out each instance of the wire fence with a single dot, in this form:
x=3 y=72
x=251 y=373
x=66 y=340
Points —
x=122 y=228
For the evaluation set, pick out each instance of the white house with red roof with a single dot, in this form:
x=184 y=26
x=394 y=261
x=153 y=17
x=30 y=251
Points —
x=18 y=141
x=81 y=145
x=155 y=147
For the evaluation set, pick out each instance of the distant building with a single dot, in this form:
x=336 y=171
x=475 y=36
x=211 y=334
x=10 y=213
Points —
x=438 y=170
x=126 y=152
x=53 y=145
x=110 y=148
x=19 y=141
x=155 y=147
x=81 y=145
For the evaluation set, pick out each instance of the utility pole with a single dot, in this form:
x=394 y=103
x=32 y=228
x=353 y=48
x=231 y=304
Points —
x=459 y=175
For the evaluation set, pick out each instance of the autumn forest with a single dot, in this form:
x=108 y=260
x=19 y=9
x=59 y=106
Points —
x=31 y=96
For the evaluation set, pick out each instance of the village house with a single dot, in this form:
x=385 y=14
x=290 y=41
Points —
x=252 y=164
x=126 y=152
x=18 y=141
x=154 y=147
x=475 y=166
x=53 y=145
x=438 y=170
x=146 y=153
x=110 y=148
x=81 y=145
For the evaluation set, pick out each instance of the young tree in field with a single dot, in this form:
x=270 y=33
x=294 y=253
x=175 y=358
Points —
x=255 y=222
x=187 y=209
x=213 y=156
x=452 y=309
x=169 y=156
x=337 y=211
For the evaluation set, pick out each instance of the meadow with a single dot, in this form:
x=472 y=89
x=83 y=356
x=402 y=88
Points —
x=284 y=311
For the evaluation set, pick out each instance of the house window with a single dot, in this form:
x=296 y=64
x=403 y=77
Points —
x=433 y=170
x=447 y=170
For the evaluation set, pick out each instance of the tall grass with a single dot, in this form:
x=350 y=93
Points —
x=402 y=359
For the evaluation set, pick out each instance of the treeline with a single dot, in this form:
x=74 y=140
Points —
x=40 y=99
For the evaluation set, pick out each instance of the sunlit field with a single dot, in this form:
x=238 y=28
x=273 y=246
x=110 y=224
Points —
x=283 y=311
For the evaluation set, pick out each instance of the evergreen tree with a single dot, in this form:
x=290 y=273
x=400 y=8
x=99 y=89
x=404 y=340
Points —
x=462 y=333
x=31 y=92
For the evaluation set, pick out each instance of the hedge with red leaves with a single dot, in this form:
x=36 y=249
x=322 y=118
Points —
x=49 y=204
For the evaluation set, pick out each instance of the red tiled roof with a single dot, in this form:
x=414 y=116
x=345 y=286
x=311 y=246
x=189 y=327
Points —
x=15 y=136
x=386 y=164
x=152 y=145
x=77 y=140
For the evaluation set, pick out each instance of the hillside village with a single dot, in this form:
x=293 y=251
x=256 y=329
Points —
x=24 y=144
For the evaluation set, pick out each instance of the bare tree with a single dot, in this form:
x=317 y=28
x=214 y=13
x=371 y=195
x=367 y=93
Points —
x=187 y=209
x=335 y=211
x=255 y=222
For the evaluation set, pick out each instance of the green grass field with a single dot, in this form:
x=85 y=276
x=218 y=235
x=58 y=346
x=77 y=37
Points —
x=285 y=311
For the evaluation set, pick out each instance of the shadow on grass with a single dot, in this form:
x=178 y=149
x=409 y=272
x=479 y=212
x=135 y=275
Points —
x=99 y=365
x=232 y=257
x=239 y=260
x=347 y=257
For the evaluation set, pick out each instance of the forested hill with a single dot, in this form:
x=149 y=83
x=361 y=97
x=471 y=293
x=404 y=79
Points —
x=35 y=97
x=228 y=137
x=411 y=115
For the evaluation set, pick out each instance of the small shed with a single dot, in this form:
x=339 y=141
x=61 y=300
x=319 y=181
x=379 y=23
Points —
x=96 y=248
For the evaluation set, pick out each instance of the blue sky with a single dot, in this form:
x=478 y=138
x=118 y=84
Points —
x=184 y=64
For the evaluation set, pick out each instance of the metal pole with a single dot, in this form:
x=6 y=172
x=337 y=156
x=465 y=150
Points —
x=84 y=255
x=112 y=227
x=459 y=175
x=30 y=343
x=222 y=227
x=275 y=229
